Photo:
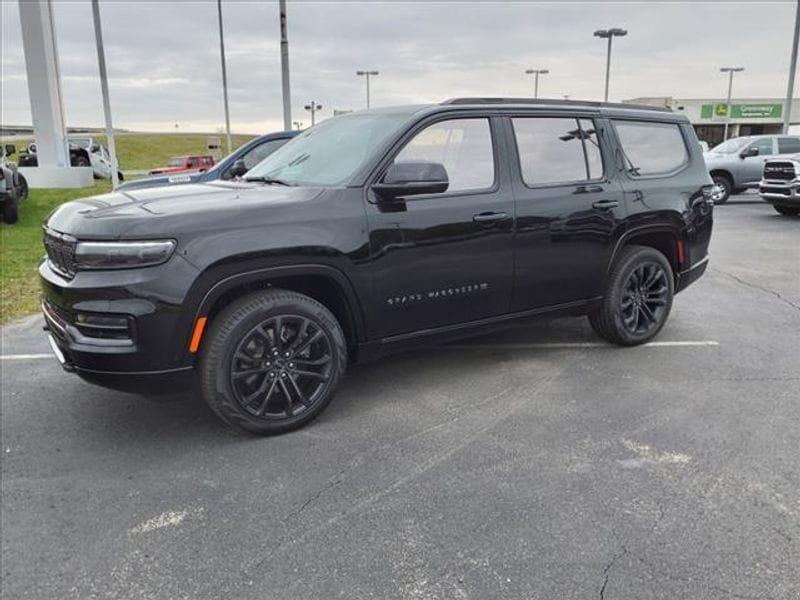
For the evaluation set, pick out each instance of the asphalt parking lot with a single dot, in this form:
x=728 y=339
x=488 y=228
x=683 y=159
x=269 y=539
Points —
x=539 y=463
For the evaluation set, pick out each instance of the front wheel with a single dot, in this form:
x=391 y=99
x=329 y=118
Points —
x=10 y=211
x=23 y=187
x=638 y=297
x=789 y=211
x=724 y=187
x=272 y=361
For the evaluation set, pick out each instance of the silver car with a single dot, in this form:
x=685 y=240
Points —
x=737 y=164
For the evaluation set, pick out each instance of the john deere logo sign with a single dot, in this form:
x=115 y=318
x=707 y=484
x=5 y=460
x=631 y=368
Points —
x=741 y=111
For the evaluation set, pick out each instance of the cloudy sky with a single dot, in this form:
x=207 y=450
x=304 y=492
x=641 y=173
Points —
x=164 y=67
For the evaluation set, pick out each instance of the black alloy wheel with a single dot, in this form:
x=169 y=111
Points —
x=644 y=298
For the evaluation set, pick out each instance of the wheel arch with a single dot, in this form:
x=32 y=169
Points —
x=725 y=173
x=666 y=239
x=324 y=283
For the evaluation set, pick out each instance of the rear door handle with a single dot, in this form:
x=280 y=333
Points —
x=605 y=204
x=588 y=189
x=489 y=218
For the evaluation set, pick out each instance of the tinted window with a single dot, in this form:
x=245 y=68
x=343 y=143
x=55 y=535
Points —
x=255 y=155
x=463 y=146
x=651 y=148
x=764 y=145
x=788 y=145
x=557 y=150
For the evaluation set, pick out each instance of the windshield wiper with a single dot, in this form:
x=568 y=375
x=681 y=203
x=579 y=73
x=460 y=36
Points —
x=268 y=180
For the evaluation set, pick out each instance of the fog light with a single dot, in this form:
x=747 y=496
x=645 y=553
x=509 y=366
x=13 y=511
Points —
x=101 y=321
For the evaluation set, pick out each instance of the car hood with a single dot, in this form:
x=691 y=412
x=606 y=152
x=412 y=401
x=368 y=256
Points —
x=174 y=210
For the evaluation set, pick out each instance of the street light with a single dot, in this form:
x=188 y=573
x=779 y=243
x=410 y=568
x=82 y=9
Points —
x=730 y=71
x=536 y=73
x=224 y=77
x=313 y=107
x=367 y=74
x=297 y=124
x=609 y=34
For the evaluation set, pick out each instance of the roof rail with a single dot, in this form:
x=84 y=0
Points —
x=555 y=102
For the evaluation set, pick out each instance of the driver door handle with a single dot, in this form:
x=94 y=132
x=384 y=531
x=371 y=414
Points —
x=489 y=218
x=605 y=204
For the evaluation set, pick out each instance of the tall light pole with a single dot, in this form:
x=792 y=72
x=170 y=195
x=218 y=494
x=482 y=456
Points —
x=367 y=74
x=787 y=111
x=313 y=107
x=287 y=100
x=609 y=34
x=101 y=61
x=730 y=71
x=536 y=73
x=224 y=78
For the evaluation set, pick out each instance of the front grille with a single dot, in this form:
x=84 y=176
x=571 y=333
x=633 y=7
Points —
x=60 y=252
x=779 y=171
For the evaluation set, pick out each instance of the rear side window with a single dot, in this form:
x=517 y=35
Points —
x=788 y=145
x=651 y=148
x=260 y=152
x=463 y=146
x=557 y=150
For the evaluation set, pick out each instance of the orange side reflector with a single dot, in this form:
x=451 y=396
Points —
x=197 y=334
x=680 y=252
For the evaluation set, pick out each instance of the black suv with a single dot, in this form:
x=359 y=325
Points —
x=376 y=231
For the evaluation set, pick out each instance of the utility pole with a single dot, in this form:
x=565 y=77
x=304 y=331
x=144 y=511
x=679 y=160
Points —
x=787 y=111
x=367 y=74
x=536 y=73
x=730 y=71
x=609 y=34
x=287 y=100
x=313 y=107
x=101 y=63
x=224 y=78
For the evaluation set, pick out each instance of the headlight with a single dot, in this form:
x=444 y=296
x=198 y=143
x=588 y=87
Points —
x=121 y=255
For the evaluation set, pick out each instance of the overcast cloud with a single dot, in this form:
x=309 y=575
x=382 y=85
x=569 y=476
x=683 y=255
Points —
x=164 y=67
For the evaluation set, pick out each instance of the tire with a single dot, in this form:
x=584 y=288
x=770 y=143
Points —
x=789 y=211
x=10 y=212
x=81 y=161
x=725 y=184
x=23 y=187
x=625 y=300
x=247 y=385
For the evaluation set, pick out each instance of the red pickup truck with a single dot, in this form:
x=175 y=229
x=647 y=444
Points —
x=182 y=164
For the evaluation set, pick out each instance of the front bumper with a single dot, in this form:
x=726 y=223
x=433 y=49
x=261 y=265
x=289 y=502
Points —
x=782 y=193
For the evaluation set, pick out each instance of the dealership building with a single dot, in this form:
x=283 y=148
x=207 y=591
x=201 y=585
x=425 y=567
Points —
x=749 y=116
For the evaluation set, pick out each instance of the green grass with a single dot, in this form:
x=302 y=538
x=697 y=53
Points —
x=21 y=248
x=149 y=150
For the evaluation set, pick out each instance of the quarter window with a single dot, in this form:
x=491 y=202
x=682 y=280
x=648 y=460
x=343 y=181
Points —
x=651 y=148
x=788 y=145
x=557 y=150
x=463 y=146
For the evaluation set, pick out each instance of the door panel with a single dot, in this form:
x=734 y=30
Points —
x=441 y=259
x=565 y=229
x=752 y=167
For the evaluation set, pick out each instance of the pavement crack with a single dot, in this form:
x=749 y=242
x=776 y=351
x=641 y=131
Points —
x=761 y=288
x=329 y=485
x=607 y=570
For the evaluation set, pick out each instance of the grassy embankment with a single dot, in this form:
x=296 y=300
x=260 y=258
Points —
x=21 y=243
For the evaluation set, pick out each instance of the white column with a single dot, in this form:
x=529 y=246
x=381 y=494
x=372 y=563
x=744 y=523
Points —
x=44 y=88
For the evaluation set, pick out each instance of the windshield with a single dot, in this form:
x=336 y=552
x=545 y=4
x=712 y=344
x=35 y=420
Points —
x=730 y=146
x=330 y=153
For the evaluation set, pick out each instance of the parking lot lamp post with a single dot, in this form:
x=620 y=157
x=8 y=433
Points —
x=609 y=34
x=287 y=98
x=367 y=74
x=313 y=107
x=101 y=60
x=536 y=73
x=224 y=78
x=730 y=71
x=787 y=112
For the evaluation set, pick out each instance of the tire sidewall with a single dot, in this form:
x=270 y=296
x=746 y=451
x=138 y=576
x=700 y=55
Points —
x=228 y=332
x=725 y=184
x=622 y=275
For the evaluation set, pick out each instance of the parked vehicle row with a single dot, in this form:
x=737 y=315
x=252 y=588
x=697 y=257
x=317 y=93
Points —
x=373 y=232
x=13 y=186
x=83 y=152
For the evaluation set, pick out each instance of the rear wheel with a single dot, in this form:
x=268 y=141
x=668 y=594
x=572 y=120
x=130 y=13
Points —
x=638 y=297
x=789 y=211
x=10 y=213
x=22 y=185
x=272 y=361
x=725 y=186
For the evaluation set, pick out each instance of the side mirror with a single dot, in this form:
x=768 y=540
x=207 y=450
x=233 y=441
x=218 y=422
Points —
x=238 y=168
x=411 y=179
x=10 y=149
x=747 y=152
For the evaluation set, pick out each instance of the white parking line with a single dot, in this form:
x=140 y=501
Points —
x=573 y=345
x=25 y=356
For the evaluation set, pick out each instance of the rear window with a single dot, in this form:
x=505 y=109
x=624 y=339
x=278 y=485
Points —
x=651 y=148
x=788 y=145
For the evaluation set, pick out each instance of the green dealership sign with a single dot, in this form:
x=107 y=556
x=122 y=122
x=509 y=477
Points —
x=741 y=111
